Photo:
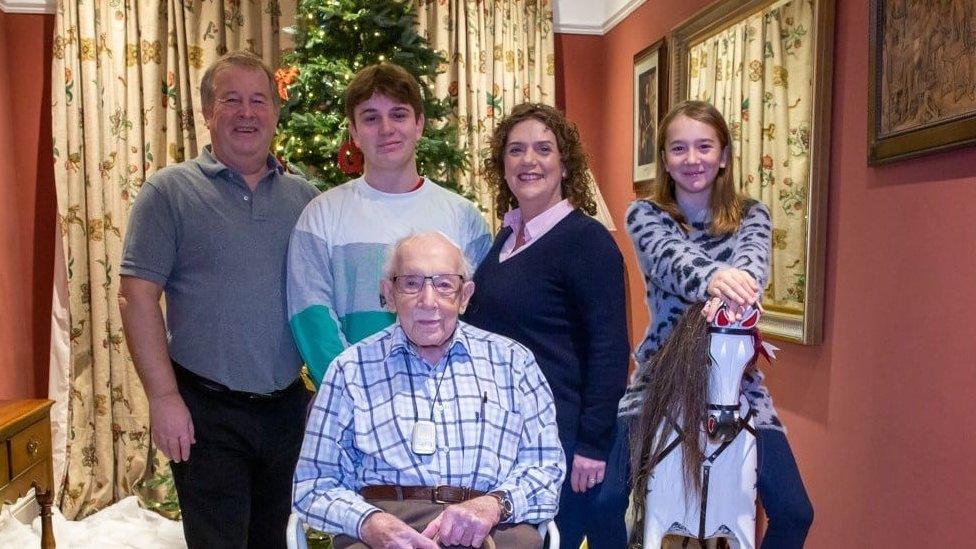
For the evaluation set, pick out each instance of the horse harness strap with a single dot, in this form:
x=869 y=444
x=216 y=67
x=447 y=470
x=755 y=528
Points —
x=680 y=436
x=707 y=467
x=731 y=331
x=744 y=422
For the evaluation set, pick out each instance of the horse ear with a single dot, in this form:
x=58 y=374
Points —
x=751 y=320
x=722 y=318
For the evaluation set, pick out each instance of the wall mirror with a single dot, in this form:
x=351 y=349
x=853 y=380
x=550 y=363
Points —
x=765 y=64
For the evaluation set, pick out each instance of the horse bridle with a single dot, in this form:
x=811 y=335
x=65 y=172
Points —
x=721 y=420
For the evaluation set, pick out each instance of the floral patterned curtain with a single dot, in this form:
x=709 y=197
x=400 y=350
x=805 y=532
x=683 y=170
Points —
x=500 y=53
x=125 y=103
x=758 y=74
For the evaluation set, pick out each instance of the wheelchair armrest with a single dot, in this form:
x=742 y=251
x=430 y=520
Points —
x=549 y=527
x=295 y=533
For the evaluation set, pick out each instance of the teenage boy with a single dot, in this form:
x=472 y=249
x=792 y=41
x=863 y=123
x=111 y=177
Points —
x=336 y=254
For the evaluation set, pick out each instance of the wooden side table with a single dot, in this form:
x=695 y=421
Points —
x=25 y=457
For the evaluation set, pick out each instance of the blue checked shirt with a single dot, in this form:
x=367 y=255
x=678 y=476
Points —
x=494 y=417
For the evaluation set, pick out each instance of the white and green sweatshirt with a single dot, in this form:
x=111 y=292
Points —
x=336 y=256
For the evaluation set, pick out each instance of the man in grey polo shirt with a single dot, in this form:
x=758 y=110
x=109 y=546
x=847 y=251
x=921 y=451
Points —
x=221 y=374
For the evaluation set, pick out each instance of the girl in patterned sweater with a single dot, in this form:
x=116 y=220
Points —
x=698 y=240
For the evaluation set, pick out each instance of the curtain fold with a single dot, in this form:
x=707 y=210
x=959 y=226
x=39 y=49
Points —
x=758 y=74
x=125 y=103
x=499 y=53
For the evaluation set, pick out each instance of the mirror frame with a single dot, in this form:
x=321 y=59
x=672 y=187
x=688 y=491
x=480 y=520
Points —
x=805 y=328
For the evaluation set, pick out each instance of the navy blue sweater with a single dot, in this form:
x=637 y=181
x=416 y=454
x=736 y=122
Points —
x=563 y=298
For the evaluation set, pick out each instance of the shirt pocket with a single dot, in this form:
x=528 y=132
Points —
x=496 y=446
x=383 y=432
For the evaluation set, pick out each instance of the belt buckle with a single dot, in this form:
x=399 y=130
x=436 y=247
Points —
x=443 y=494
x=265 y=396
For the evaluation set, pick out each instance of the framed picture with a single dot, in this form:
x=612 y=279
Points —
x=922 y=87
x=766 y=66
x=650 y=104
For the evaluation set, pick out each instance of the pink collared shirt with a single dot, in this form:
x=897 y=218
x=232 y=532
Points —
x=534 y=229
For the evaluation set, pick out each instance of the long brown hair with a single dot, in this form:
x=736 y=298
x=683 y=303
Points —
x=725 y=203
x=575 y=186
x=676 y=394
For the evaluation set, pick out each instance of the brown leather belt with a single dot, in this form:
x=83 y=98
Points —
x=434 y=494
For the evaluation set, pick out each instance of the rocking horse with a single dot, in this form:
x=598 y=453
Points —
x=695 y=447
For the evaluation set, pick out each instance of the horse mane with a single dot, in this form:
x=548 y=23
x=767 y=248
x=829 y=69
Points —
x=677 y=391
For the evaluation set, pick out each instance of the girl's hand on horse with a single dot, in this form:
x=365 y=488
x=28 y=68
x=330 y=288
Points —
x=737 y=312
x=586 y=473
x=711 y=308
x=734 y=286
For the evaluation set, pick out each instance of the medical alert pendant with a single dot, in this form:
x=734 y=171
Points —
x=423 y=440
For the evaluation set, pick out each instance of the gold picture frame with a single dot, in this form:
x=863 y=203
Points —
x=803 y=324
x=921 y=104
x=650 y=104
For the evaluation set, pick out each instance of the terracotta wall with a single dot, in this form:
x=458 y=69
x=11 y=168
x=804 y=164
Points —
x=881 y=414
x=28 y=207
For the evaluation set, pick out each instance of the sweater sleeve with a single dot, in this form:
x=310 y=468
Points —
x=478 y=239
x=667 y=256
x=596 y=284
x=310 y=290
x=754 y=240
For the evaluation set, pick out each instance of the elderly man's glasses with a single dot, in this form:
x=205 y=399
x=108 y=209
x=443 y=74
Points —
x=447 y=285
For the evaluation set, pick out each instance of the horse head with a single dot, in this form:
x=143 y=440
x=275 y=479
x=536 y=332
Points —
x=732 y=350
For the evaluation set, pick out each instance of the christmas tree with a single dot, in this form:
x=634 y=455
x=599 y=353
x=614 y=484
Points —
x=333 y=40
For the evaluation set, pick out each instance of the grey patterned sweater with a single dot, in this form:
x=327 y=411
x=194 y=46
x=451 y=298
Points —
x=677 y=268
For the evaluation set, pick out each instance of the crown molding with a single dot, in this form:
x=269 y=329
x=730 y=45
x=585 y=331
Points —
x=591 y=16
x=28 y=6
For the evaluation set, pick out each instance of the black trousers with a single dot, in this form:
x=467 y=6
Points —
x=235 y=490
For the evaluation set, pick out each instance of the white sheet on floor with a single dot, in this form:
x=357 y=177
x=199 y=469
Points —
x=122 y=525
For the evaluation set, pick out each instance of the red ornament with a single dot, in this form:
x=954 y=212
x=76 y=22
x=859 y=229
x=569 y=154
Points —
x=350 y=158
x=285 y=77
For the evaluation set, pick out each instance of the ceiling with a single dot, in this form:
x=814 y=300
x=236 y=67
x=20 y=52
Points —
x=591 y=16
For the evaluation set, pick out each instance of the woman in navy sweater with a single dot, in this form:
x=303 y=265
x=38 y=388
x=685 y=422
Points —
x=554 y=281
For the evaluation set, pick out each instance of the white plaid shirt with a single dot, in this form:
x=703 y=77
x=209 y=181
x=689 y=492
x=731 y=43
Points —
x=493 y=412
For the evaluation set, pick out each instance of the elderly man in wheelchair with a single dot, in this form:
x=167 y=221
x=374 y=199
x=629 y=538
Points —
x=431 y=433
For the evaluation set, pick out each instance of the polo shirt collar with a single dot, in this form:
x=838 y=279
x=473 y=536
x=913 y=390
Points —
x=211 y=167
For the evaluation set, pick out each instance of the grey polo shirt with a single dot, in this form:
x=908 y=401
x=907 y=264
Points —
x=219 y=250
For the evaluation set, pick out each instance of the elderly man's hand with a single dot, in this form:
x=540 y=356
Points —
x=385 y=531
x=466 y=524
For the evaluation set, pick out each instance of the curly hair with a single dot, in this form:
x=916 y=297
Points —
x=575 y=186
